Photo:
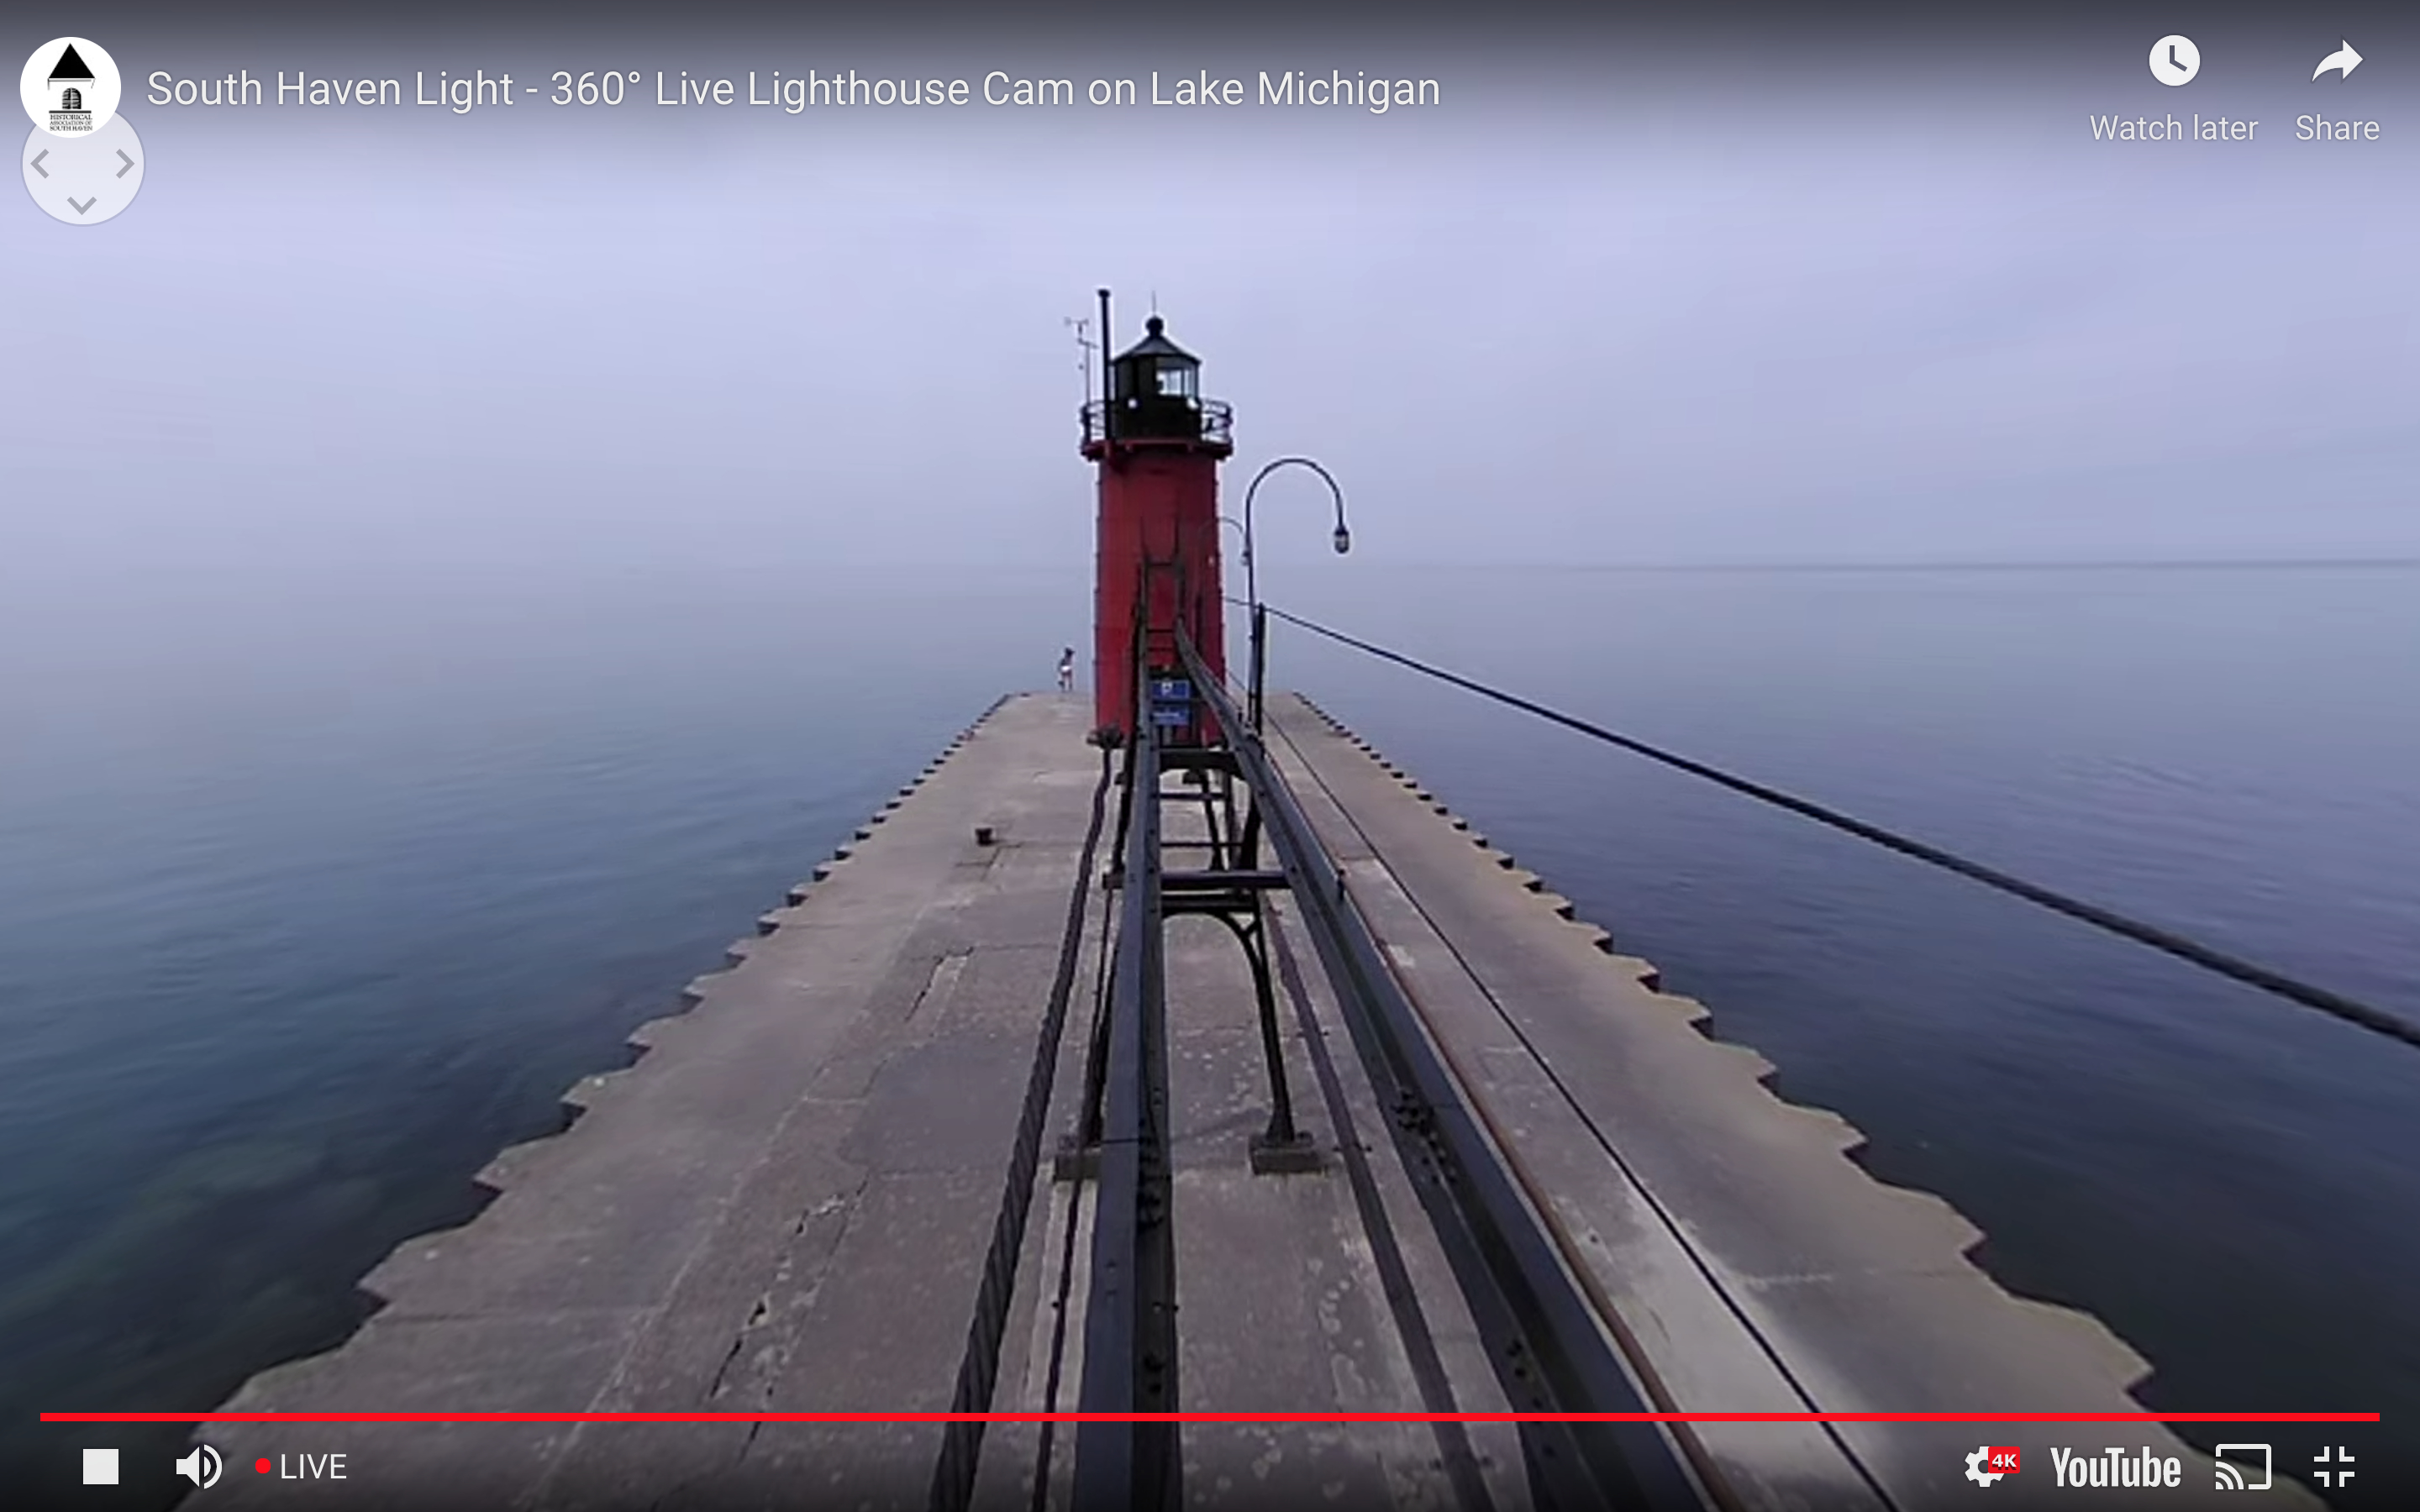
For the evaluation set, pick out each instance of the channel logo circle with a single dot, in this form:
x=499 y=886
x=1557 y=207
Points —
x=69 y=87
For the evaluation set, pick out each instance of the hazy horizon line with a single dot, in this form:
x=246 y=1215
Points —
x=1945 y=564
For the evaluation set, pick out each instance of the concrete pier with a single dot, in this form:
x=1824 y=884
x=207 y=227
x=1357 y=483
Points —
x=783 y=1207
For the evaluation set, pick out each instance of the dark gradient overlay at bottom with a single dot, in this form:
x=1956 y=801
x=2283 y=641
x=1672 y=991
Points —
x=810 y=1460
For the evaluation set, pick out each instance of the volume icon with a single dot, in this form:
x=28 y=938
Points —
x=201 y=1467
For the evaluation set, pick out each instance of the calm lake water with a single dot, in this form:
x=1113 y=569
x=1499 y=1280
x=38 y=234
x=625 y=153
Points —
x=312 y=899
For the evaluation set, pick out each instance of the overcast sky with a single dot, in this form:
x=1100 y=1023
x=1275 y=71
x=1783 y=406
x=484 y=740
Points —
x=1675 y=300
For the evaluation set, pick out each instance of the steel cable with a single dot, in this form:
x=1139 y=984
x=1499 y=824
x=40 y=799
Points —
x=2334 y=1004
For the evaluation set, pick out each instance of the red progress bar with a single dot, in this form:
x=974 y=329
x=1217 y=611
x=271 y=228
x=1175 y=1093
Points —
x=1210 y=1417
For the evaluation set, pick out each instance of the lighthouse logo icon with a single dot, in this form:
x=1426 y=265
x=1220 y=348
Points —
x=70 y=76
x=69 y=87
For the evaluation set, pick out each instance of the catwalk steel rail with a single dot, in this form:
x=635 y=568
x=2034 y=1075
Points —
x=1130 y=1362
x=1550 y=1352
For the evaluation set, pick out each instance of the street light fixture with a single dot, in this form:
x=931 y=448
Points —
x=1343 y=538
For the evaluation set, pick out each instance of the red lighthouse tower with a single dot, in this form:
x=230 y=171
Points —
x=1158 y=444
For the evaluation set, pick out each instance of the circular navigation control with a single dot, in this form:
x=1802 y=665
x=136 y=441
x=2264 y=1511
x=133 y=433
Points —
x=83 y=180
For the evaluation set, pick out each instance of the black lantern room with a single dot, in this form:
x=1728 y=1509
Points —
x=1154 y=389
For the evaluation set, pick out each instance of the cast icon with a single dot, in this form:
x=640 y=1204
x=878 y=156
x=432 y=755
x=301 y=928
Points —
x=2239 y=1474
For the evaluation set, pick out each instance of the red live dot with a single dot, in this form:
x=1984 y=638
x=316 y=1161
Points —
x=261 y=1465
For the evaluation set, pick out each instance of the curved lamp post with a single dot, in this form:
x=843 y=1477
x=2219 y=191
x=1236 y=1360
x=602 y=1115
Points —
x=1343 y=539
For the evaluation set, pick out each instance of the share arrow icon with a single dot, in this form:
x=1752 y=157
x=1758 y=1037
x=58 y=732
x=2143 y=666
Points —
x=2343 y=57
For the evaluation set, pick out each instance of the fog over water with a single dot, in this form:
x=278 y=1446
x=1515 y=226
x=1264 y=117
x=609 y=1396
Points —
x=1846 y=308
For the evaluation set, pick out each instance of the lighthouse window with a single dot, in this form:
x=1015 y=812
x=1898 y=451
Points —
x=1175 y=380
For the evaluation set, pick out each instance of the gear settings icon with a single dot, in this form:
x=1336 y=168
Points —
x=1975 y=1470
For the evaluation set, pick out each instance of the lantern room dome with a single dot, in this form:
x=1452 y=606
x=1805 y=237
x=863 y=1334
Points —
x=1154 y=397
x=1155 y=342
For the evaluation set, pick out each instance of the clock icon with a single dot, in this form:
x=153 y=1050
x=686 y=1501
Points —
x=2175 y=60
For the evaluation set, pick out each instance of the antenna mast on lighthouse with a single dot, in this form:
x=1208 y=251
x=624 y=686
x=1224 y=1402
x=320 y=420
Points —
x=1082 y=326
